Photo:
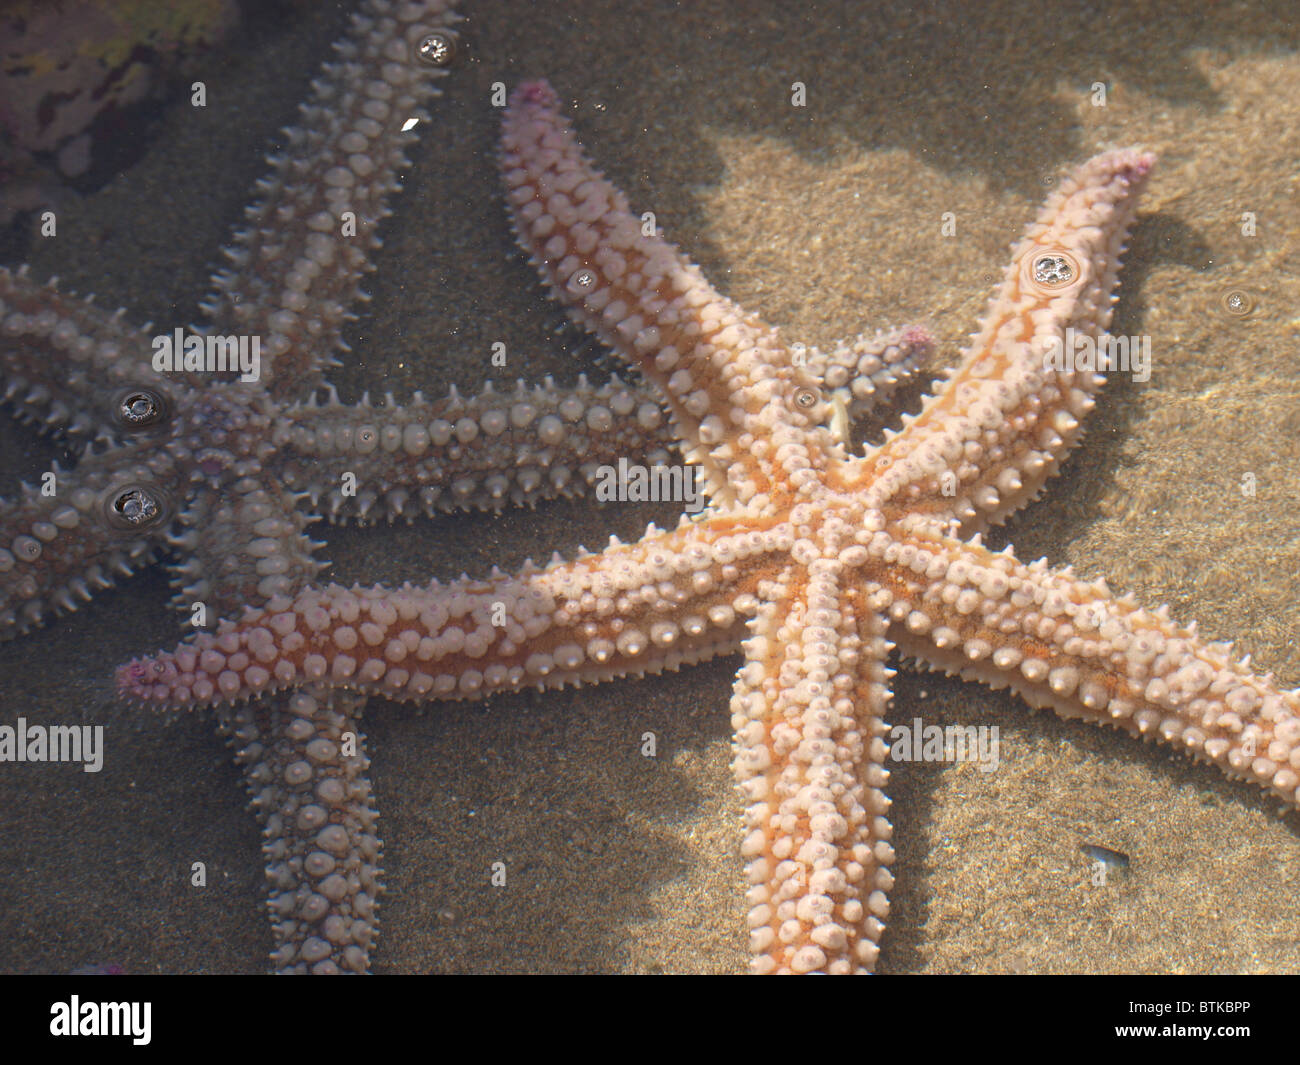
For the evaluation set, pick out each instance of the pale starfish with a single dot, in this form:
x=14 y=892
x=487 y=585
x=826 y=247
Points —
x=808 y=558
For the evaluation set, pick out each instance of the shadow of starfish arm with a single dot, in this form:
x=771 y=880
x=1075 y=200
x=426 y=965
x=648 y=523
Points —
x=70 y=366
x=479 y=453
x=1072 y=645
x=808 y=718
x=988 y=439
x=305 y=766
x=669 y=600
x=104 y=520
x=292 y=284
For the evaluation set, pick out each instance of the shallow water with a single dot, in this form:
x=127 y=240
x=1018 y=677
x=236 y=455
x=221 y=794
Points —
x=825 y=220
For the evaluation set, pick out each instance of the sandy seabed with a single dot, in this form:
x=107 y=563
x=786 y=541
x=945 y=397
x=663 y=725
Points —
x=826 y=220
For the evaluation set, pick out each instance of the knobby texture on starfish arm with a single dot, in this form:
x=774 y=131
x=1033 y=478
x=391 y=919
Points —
x=157 y=442
x=1074 y=646
x=737 y=394
x=485 y=452
x=292 y=281
x=205 y=449
x=195 y=446
x=989 y=438
x=669 y=600
x=523 y=445
x=809 y=559
x=295 y=274
x=306 y=771
x=808 y=716
x=154 y=448
x=68 y=365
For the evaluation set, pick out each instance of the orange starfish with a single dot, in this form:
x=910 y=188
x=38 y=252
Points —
x=808 y=558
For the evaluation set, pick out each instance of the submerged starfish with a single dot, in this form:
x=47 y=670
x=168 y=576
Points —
x=813 y=561
x=232 y=456
x=234 y=461
x=246 y=465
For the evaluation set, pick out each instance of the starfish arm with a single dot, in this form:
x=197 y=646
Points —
x=868 y=369
x=808 y=718
x=305 y=766
x=807 y=559
x=522 y=446
x=297 y=265
x=988 y=439
x=668 y=600
x=480 y=453
x=724 y=376
x=104 y=519
x=240 y=546
x=1071 y=645
x=72 y=367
